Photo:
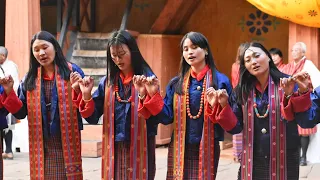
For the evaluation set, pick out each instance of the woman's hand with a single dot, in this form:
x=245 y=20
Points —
x=212 y=96
x=74 y=80
x=303 y=81
x=86 y=84
x=223 y=97
x=152 y=85
x=7 y=84
x=139 y=84
x=287 y=84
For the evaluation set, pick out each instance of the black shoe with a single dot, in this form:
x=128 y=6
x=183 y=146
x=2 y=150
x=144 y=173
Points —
x=303 y=161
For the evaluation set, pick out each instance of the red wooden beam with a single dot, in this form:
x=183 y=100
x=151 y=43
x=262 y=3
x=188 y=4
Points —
x=174 y=14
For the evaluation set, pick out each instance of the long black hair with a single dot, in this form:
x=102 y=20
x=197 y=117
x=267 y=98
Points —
x=247 y=80
x=59 y=60
x=138 y=63
x=200 y=40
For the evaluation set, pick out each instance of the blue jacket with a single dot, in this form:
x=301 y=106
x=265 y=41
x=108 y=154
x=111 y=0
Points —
x=314 y=112
x=262 y=141
x=194 y=127
x=122 y=113
x=55 y=123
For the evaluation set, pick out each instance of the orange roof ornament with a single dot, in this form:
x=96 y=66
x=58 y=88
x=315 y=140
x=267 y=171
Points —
x=304 y=12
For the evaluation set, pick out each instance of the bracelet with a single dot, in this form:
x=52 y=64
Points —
x=300 y=93
x=86 y=101
x=288 y=96
x=141 y=97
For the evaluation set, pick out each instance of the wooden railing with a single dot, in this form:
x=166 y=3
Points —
x=63 y=23
x=88 y=17
x=127 y=11
x=77 y=11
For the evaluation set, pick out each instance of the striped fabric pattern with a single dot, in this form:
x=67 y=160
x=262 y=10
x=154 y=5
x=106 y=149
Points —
x=261 y=165
x=54 y=167
x=191 y=161
x=237 y=146
x=307 y=131
x=138 y=139
x=45 y=155
x=122 y=156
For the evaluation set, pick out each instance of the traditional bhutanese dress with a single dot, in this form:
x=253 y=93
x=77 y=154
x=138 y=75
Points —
x=270 y=137
x=54 y=126
x=194 y=150
x=128 y=145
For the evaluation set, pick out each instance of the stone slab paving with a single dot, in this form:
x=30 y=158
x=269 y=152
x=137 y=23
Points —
x=18 y=169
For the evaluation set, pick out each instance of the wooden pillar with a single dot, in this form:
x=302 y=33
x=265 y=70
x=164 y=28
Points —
x=308 y=35
x=163 y=55
x=22 y=21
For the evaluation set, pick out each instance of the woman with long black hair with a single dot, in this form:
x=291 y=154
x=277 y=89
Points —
x=194 y=150
x=128 y=150
x=45 y=95
x=268 y=104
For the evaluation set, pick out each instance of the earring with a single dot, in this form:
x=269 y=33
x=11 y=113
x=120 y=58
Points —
x=206 y=53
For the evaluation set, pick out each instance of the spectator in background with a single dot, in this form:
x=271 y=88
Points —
x=277 y=58
x=8 y=67
x=301 y=63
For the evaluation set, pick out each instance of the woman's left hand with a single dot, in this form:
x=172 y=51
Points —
x=222 y=97
x=152 y=85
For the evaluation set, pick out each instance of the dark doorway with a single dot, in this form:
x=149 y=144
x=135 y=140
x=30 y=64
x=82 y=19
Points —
x=2 y=21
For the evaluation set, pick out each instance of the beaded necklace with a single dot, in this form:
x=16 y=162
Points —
x=256 y=109
x=201 y=100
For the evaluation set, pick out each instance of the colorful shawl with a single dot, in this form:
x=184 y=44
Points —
x=70 y=134
x=277 y=136
x=206 y=153
x=138 y=142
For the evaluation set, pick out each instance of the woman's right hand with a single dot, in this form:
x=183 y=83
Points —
x=222 y=97
x=7 y=84
x=86 y=84
x=287 y=84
